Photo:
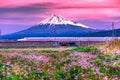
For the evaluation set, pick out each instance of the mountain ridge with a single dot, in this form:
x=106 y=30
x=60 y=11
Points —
x=53 y=26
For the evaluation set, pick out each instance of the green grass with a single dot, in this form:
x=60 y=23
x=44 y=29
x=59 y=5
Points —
x=46 y=51
x=90 y=49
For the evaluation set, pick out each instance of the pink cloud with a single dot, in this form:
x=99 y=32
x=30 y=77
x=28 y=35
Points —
x=65 y=2
x=72 y=9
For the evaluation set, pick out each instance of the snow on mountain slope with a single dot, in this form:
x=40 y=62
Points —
x=56 y=20
x=53 y=26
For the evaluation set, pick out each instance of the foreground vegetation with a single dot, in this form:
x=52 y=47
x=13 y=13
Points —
x=110 y=47
x=81 y=63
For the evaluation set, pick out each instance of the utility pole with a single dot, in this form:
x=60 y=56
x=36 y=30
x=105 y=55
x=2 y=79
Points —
x=88 y=40
x=54 y=35
x=54 y=32
x=113 y=32
x=0 y=32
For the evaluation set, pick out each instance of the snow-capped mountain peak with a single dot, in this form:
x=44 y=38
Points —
x=55 y=19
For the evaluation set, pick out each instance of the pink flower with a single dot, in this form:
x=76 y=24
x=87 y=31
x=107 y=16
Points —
x=105 y=63
x=51 y=79
x=15 y=70
x=105 y=78
x=8 y=73
x=112 y=64
x=73 y=63
x=113 y=79
x=8 y=63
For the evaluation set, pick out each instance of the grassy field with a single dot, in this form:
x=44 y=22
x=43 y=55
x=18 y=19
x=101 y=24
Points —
x=110 y=47
x=78 y=63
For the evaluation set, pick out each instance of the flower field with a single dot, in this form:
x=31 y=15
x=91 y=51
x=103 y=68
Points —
x=74 y=64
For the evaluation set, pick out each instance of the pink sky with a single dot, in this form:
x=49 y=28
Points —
x=24 y=12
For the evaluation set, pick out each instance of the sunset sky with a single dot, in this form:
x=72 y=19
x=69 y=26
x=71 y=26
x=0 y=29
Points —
x=16 y=15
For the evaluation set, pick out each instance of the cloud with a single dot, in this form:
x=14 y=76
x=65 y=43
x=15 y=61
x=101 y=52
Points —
x=24 y=14
x=76 y=10
x=28 y=9
x=81 y=2
x=15 y=14
x=99 y=24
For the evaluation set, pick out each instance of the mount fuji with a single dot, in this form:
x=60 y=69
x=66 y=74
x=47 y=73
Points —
x=54 y=26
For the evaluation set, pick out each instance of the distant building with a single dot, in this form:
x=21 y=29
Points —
x=46 y=42
x=66 y=39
